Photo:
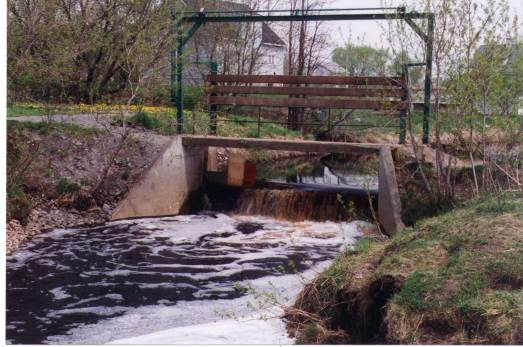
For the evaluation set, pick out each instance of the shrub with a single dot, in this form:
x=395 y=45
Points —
x=18 y=205
x=145 y=120
x=65 y=186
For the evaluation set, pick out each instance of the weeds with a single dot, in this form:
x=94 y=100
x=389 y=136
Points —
x=145 y=120
x=19 y=204
x=499 y=204
x=65 y=186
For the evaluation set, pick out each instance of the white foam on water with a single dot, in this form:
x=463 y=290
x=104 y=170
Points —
x=201 y=322
x=59 y=293
x=227 y=321
x=230 y=332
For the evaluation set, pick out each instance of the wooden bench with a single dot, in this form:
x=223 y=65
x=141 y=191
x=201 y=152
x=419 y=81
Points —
x=384 y=94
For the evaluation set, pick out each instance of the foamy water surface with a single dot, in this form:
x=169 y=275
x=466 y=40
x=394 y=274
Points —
x=205 y=278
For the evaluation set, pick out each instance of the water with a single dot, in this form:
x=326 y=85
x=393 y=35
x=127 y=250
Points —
x=130 y=278
x=322 y=174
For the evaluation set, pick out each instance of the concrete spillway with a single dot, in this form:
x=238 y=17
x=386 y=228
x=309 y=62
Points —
x=179 y=171
x=166 y=186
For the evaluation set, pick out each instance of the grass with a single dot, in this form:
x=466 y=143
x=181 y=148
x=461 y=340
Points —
x=65 y=186
x=197 y=123
x=415 y=289
x=459 y=277
x=14 y=110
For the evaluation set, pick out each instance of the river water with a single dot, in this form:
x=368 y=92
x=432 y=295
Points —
x=323 y=174
x=206 y=278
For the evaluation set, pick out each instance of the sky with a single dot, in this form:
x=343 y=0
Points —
x=371 y=29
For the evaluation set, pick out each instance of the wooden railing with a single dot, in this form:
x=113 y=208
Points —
x=385 y=94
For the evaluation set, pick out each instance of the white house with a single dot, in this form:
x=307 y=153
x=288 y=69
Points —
x=264 y=52
x=272 y=52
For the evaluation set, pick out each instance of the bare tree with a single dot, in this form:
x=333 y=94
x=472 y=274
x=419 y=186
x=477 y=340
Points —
x=462 y=81
x=73 y=48
x=307 y=44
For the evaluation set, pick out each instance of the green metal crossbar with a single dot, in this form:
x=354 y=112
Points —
x=198 y=19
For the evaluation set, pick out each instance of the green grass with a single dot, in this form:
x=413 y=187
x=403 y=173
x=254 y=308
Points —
x=197 y=123
x=65 y=186
x=459 y=274
x=14 y=110
x=414 y=290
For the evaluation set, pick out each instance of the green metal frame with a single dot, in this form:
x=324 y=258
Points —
x=213 y=67
x=197 y=19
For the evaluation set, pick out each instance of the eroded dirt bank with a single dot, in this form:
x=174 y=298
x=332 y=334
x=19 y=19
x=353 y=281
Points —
x=453 y=279
x=63 y=175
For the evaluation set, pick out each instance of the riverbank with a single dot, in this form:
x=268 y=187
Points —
x=63 y=175
x=452 y=279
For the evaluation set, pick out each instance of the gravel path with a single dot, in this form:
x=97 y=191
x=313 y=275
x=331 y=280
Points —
x=95 y=121
x=82 y=119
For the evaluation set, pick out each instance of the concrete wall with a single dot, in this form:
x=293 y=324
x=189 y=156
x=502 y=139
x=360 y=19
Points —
x=389 y=203
x=179 y=169
x=165 y=187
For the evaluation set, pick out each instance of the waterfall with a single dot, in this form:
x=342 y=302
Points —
x=297 y=205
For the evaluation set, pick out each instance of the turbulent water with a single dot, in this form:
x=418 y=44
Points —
x=194 y=275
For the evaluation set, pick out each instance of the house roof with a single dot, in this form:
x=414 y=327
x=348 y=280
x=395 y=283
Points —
x=270 y=37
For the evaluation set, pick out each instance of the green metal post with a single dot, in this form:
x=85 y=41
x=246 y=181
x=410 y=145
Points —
x=179 y=82
x=213 y=107
x=329 y=123
x=173 y=55
x=177 y=97
x=428 y=79
x=403 y=123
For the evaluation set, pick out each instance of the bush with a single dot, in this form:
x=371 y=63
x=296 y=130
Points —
x=18 y=205
x=65 y=186
x=145 y=120
x=159 y=95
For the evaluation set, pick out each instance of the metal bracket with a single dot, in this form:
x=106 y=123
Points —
x=416 y=28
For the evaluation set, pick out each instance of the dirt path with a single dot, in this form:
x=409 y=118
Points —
x=82 y=119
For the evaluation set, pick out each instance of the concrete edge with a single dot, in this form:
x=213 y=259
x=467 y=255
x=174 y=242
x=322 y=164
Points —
x=389 y=202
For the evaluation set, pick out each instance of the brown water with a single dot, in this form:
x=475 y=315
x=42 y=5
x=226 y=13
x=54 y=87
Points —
x=290 y=204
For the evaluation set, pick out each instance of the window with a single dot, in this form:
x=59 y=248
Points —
x=271 y=59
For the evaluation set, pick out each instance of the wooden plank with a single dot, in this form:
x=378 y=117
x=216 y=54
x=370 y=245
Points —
x=236 y=169
x=285 y=145
x=286 y=79
x=307 y=103
x=315 y=91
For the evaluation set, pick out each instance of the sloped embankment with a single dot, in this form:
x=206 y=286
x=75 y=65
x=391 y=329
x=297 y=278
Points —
x=455 y=278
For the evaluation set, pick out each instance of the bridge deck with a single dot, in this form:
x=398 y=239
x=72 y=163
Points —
x=285 y=145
